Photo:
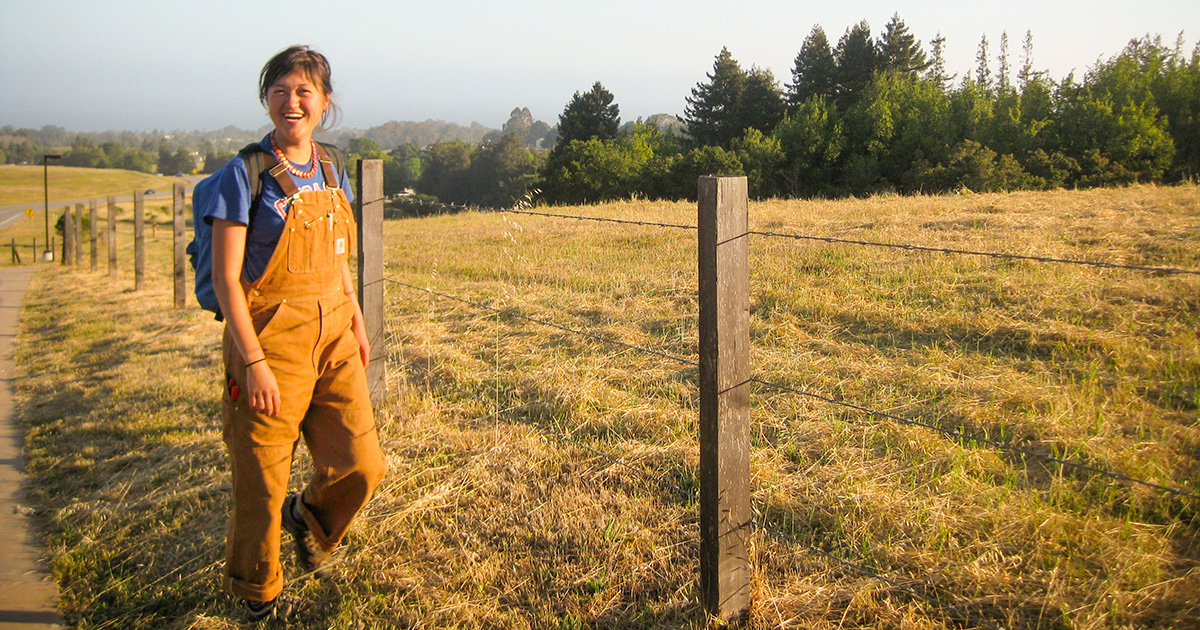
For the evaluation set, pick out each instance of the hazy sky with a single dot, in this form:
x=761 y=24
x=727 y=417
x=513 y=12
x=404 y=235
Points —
x=92 y=65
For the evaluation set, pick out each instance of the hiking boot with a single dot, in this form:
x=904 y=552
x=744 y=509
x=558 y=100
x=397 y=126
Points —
x=312 y=558
x=276 y=611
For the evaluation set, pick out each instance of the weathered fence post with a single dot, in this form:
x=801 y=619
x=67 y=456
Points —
x=180 y=248
x=369 y=214
x=77 y=240
x=92 y=232
x=724 y=396
x=112 y=237
x=16 y=257
x=139 y=240
x=68 y=251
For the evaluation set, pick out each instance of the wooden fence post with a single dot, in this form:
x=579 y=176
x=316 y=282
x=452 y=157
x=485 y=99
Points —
x=368 y=209
x=16 y=257
x=180 y=248
x=139 y=240
x=68 y=251
x=724 y=396
x=112 y=237
x=77 y=240
x=93 y=233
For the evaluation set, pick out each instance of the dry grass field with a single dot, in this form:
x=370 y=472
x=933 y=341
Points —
x=541 y=478
x=25 y=185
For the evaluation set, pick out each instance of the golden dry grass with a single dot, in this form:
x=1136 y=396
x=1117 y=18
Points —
x=25 y=185
x=520 y=493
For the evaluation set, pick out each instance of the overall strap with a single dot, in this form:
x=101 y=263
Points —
x=279 y=171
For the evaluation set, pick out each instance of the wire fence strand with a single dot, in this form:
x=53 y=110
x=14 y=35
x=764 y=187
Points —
x=967 y=252
x=982 y=440
x=832 y=239
x=872 y=412
x=661 y=479
x=761 y=523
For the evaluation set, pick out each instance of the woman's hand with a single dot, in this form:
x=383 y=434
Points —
x=358 y=325
x=359 y=328
x=262 y=388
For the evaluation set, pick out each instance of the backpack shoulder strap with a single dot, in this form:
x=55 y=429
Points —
x=259 y=161
x=256 y=162
x=330 y=155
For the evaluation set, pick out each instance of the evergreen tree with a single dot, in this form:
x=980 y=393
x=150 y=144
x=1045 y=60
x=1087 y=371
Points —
x=1026 y=73
x=1003 y=85
x=857 y=60
x=589 y=115
x=983 y=72
x=900 y=51
x=814 y=70
x=761 y=105
x=937 y=63
x=712 y=109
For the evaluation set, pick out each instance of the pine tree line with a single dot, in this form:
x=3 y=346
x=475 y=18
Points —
x=871 y=115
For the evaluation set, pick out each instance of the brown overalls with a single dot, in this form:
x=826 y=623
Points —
x=302 y=318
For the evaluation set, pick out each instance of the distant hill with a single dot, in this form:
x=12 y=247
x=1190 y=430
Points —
x=389 y=135
x=395 y=133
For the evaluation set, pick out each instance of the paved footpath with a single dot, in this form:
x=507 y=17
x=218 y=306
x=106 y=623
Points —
x=28 y=597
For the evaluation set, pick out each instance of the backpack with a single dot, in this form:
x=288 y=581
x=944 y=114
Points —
x=258 y=165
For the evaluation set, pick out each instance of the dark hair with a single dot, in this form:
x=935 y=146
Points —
x=303 y=59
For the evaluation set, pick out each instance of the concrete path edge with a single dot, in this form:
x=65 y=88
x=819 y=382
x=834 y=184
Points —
x=28 y=596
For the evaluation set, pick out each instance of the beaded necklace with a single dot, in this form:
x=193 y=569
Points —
x=288 y=163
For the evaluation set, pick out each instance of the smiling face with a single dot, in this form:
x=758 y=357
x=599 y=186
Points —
x=296 y=104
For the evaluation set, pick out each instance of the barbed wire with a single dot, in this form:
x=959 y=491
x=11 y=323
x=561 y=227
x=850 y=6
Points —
x=517 y=210
x=832 y=239
x=679 y=226
x=982 y=440
x=660 y=479
x=967 y=252
x=873 y=412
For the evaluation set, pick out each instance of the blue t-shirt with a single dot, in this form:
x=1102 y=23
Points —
x=232 y=203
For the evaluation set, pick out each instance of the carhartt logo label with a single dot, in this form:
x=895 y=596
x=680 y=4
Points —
x=339 y=246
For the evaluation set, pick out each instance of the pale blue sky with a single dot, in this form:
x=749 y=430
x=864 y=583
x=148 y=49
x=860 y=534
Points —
x=90 y=65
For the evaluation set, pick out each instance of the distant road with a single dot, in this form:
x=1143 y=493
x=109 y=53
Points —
x=10 y=214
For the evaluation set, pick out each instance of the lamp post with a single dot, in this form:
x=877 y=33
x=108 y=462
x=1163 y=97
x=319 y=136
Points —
x=48 y=254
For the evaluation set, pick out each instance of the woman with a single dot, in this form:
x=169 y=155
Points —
x=295 y=344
